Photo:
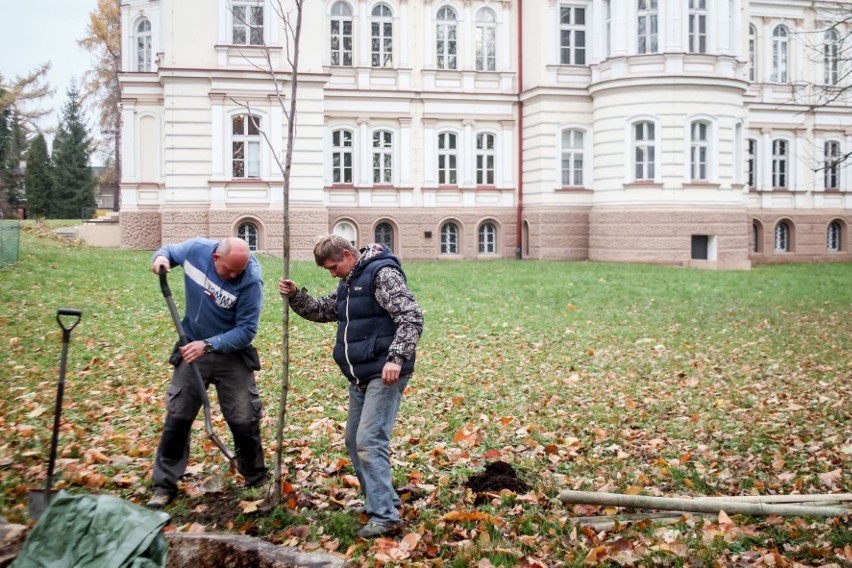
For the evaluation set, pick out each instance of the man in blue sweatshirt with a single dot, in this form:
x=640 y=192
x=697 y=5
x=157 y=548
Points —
x=224 y=294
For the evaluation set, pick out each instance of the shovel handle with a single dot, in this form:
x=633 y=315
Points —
x=164 y=282
x=67 y=327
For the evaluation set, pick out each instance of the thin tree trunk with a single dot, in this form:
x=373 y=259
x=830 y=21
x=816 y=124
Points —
x=698 y=505
x=285 y=323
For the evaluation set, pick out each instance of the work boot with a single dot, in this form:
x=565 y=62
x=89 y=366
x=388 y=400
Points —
x=373 y=530
x=160 y=499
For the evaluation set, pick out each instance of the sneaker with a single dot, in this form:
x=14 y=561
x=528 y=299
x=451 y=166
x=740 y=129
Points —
x=373 y=530
x=160 y=500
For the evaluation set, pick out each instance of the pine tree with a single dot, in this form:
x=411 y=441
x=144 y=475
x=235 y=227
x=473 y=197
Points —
x=13 y=146
x=73 y=178
x=41 y=196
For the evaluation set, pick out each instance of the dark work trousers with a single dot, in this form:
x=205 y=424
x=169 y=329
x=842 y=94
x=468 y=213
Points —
x=241 y=407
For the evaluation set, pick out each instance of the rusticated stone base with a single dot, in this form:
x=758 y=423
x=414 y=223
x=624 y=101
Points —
x=140 y=230
x=664 y=236
x=150 y=230
x=808 y=238
x=557 y=233
x=411 y=226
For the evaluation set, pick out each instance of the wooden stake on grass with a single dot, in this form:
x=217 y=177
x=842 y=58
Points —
x=699 y=505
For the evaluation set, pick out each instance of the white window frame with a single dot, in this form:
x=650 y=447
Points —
x=647 y=16
x=485 y=159
x=348 y=230
x=831 y=164
x=698 y=21
x=752 y=161
x=248 y=231
x=446 y=157
x=781 y=161
x=252 y=144
x=608 y=28
x=783 y=236
x=144 y=46
x=247 y=23
x=752 y=53
x=450 y=241
x=574 y=51
x=382 y=156
x=570 y=152
x=341 y=15
x=653 y=143
x=486 y=238
x=780 y=54
x=486 y=40
x=831 y=57
x=834 y=236
x=446 y=38
x=381 y=36
x=338 y=148
x=709 y=146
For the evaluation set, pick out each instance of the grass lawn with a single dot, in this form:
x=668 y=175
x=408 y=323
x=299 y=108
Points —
x=602 y=377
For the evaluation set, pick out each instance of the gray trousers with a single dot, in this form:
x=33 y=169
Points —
x=241 y=406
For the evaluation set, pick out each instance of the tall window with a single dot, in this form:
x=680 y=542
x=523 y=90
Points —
x=572 y=35
x=752 y=53
x=780 y=54
x=245 y=146
x=643 y=151
x=751 y=163
x=572 y=158
x=246 y=23
x=447 y=159
x=143 y=47
x=383 y=157
x=447 y=40
x=341 y=34
x=346 y=230
x=484 y=159
x=834 y=236
x=247 y=231
x=341 y=157
x=608 y=25
x=831 y=166
x=486 y=40
x=831 y=56
x=449 y=239
x=699 y=151
x=779 y=164
x=487 y=239
x=382 y=37
x=698 y=26
x=384 y=235
x=647 y=26
x=782 y=237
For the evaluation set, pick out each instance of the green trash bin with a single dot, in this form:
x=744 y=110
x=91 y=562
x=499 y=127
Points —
x=10 y=241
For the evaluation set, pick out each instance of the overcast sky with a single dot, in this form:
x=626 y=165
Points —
x=33 y=32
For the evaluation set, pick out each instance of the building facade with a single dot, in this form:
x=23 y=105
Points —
x=686 y=132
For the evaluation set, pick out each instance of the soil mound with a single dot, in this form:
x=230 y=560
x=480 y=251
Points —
x=497 y=476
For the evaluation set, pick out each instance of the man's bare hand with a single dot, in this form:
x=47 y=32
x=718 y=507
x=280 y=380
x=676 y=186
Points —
x=390 y=373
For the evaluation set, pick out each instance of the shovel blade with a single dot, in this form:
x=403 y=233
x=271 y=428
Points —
x=38 y=502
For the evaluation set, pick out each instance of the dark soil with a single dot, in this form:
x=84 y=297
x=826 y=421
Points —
x=497 y=476
x=213 y=510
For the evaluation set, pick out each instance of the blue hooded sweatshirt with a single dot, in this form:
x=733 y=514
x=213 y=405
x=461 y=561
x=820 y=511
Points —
x=223 y=312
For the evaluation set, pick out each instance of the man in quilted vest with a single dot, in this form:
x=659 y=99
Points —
x=378 y=326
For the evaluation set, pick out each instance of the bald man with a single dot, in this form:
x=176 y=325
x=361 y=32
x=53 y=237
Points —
x=224 y=295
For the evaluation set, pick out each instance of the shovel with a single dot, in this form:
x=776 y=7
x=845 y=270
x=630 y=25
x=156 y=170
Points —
x=39 y=500
x=199 y=380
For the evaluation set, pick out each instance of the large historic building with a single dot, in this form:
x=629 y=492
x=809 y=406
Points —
x=688 y=132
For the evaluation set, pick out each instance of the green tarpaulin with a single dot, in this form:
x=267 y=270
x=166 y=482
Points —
x=95 y=531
